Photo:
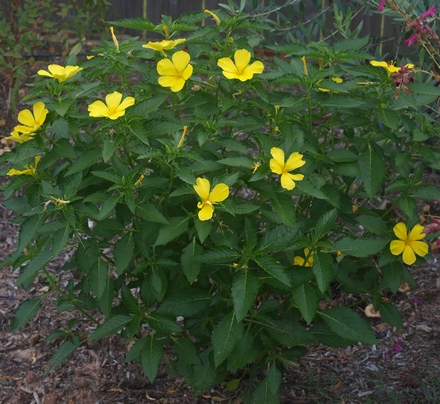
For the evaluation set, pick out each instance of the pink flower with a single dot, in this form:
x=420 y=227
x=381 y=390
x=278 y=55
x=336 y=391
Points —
x=428 y=12
x=413 y=38
x=381 y=5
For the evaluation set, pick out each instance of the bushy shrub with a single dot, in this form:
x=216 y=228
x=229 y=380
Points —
x=216 y=203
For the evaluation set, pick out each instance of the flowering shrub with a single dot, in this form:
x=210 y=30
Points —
x=192 y=234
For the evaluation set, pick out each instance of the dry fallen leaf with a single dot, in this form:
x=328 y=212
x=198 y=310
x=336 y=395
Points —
x=370 y=312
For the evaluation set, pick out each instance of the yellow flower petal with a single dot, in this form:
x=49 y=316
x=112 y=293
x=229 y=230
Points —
x=173 y=73
x=202 y=188
x=416 y=233
x=300 y=261
x=98 y=109
x=400 y=231
x=294 y=161
x=206 y=212
x=242 y=57
x=219 y=193
x=420 y=248
x=408 y=255
x=397 y=247
x=287 y=182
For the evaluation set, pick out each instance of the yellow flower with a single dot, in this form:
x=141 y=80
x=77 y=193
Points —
x=113 y=107
x=390 y=68
x=173 y=73
x=278 y=166
x=300 y=261
x=240 y=68
x=408 y=243
x=115 y=40
x=216 y=19
x=337 y=80
x=29 y=170
x=31 y=120
x=163 y=45
x=304 y=60
x=16 y=137
x=218 y=194
x=60 y=73
x=182 y=138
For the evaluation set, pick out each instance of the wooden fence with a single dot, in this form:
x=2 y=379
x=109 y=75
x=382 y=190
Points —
x=154 y=9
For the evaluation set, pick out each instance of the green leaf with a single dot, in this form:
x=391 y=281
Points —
x=28 y=230
x=29 y=272
x=389 y=117
x=186 y=351
x=151 y=356
x=203 y=229
x=59 y=239
x=62 y=106
x=274 y=378
x=273 y=268
x=323 y=270
x=285 y=208
x=251 y=235
x=108 y=206
x=185 y=303
x=60 y=129
x=390 y=315
x=427 y=192
x=109 y=146
x=190 y=264
x=175 y=227
x=342 y=156
x=162 y=323
x=86 y=160
x=244 y=290
x=219 y=255
x=149 y=212
x=408 y=206
x=27 y=310
x=225 y=336
x=307 y=300
x=263 y=394
x=373 y=170
x=348 y=324
x=140 y=23
x=425 y=89
x=62 y=353
x=374 y=224
x=98 y=277
x=392 y=275
x=324 y=225
x=123 y=253
x=360 y=247
x=242 y=161
x=109 y=327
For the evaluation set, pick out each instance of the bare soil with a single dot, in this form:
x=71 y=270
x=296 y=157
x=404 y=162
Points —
x=404 y=367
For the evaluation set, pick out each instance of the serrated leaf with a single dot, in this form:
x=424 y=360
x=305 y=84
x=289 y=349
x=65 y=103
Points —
x=162 y=323
x=27 y=310
x=186 y=351
x=123 y=253
x=185 y=303
x=62 y=353
x=86 y=160
x=285 y=208
x=374 y=224
x=324 y=224
x=408 y=205
x=149 y=212
x=203 y=229
x=225 y=336
x=392 y=275
x=109 y=327
x=372 y=171
x=108 y=206
x=242 y=161
x=307 y=300
x=389 y=117
x=28 y=273
x=97 y=277
x=390 y=315
x=141 y=23
x=190 y=263
x=360 y=247
x=219 y=255
x=273 y=268
x=59 y=239
x=151 y=356
x=342 y=156
x=245 y=286
x=28 y=230
x=274 y=378
x=175 y=227
x=348 y=324
x=323 y=270
x=109 y=146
